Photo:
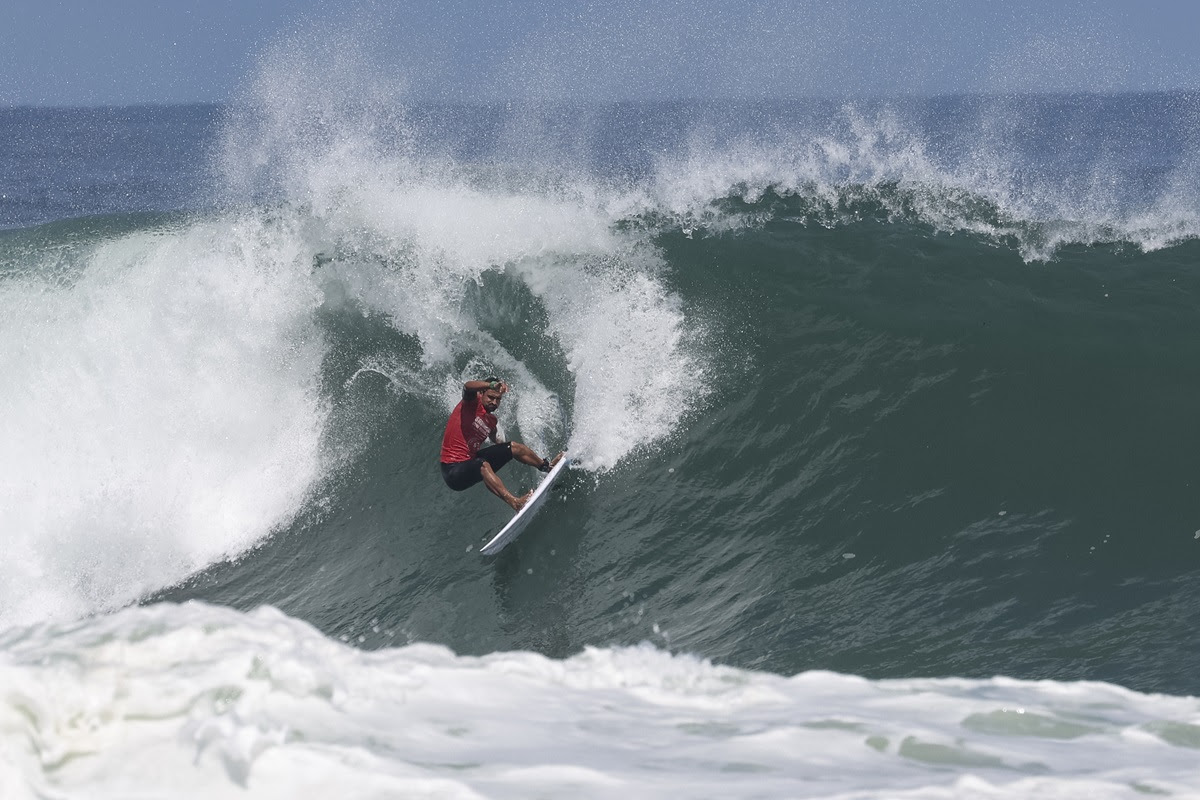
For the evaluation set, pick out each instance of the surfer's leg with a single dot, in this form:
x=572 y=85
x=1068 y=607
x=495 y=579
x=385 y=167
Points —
x=496 y=486
x=526 y=456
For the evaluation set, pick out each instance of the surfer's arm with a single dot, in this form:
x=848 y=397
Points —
x=472 y=388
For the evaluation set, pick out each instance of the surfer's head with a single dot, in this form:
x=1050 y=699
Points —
x=490 y=397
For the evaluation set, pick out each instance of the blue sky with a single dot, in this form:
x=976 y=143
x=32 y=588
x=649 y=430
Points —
x=137 y=51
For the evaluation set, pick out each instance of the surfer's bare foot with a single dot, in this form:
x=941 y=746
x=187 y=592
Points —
x=518 y=503
x=557 y=458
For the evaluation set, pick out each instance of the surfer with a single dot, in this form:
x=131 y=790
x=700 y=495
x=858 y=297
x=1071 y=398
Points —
x=472 y=422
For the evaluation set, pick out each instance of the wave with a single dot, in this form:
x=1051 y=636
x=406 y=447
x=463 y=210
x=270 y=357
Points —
x=205 y=360
x=184 y=389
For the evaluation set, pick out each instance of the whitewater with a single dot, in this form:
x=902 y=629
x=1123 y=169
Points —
x=197 y=701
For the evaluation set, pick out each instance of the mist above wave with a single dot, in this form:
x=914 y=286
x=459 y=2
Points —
x=1034 y=173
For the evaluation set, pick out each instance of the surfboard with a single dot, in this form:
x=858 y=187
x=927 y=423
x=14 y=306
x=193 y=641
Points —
x=523 y=517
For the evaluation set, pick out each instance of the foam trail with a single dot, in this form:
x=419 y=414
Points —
x=159 y=413
x=624 y=335
x=413 y=247
x=198 y=701
x=627 y=342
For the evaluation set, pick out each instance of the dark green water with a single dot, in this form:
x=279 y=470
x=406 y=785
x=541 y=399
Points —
x=918 y=455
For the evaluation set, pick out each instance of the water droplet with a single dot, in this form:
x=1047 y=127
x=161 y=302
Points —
x=847 y=555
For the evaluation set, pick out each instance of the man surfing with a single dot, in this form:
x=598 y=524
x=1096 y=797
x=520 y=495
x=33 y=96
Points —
x=471 y=423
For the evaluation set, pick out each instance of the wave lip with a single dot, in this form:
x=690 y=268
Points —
x=196 y=700
x=975 y=173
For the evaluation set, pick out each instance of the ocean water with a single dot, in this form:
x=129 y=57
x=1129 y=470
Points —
x=882 y=413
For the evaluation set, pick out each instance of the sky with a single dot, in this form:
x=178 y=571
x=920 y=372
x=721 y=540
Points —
x=119 y=52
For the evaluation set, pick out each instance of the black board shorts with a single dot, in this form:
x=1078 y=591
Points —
x=465 y=474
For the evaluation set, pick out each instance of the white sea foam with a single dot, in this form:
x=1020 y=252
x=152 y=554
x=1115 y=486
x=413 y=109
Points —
x=198 y=701
x=159 y=412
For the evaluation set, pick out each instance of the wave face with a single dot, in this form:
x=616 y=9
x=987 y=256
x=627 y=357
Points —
x=900 y=389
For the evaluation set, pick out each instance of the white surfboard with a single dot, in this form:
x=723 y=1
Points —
x=522 y=518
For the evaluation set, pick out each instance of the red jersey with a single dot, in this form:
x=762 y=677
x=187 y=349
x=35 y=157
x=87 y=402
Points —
x=469 y=426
